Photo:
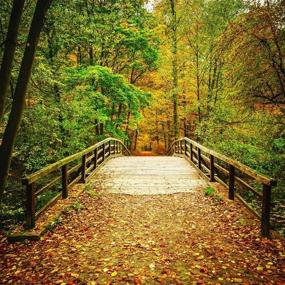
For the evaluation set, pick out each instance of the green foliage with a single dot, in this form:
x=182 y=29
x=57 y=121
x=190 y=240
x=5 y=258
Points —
x=52 y=226
x=209 y=191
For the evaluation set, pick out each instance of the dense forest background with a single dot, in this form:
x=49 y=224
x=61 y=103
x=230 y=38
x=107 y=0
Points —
x=147 y=73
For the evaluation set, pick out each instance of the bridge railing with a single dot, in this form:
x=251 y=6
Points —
x=66 y=172
x=231 y=174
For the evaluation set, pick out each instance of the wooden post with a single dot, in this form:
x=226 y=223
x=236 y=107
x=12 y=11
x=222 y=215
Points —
x=265 y=216
x=83 y=170
x=185 y=148
x=103 y=152
x=181 y=147
x=64 y=181
x=212 y=169
x=31 y=207
x=199 y=159
x=191 y=152
x=109 y=143
x=95 y=158
x=232 y=182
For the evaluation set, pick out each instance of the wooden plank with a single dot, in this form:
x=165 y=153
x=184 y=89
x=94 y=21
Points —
x=89 y=158
x=74 y=168
x=246 y=185
x=48 y=185
x=89 y=169
x=219 y=167
x=206 y=158
x=247 y=206
x=74 y=181
x=49 y=204
x=218 y=179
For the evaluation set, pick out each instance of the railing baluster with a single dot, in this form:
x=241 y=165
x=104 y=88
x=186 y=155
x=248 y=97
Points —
x=64 y=181
x=181 y=146
x=31 y=206
x=212 y=168
x=231 y=182
x=265 y=216
x=95 y=158
x=83 y=170
x=199 y=159
x=103 y=152
x=109 y=143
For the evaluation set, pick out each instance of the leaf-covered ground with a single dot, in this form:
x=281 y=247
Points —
x=164 y=239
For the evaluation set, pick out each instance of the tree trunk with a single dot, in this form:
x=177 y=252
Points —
x=9 y=51
x=174 y=69
x=18 y=103
x=128 y=121
x=136 y=139
x=198 y=84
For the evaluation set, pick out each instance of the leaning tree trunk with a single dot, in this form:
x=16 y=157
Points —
x=9 y=51
x=18 y=103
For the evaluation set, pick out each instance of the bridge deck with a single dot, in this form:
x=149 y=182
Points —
x=140 y=175
x=114 y=238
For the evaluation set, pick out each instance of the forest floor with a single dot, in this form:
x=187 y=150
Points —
x=181 y=238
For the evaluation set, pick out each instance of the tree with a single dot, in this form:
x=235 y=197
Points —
x=173 y=27
x=18 y=105
x=9 y=51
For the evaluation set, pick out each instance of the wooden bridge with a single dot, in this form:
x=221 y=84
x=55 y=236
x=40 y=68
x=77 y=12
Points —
x=145 y=220
x=182 y=171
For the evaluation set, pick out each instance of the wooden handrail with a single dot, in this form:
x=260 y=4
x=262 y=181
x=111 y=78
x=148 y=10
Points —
x=245 y=169
x=50 y=168
x=207 y=165
x=91 y=158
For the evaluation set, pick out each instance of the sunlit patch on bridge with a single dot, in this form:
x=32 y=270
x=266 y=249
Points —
x=154 y=175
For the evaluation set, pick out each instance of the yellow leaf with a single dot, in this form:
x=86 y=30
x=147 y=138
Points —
x=113 y=274
x=259 y=268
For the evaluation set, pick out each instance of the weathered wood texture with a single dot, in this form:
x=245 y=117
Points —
x=230 y=173
x=91 y=158
x=148 y=175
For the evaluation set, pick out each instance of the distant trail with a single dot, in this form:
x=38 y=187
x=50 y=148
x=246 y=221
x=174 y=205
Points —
x=182 y=237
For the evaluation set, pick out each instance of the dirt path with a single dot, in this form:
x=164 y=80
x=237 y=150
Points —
x=182 y=238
